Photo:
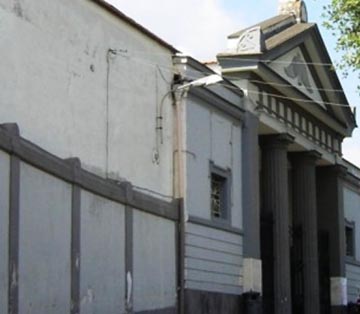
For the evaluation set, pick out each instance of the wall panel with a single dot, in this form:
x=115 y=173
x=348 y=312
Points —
x=154 y=262
x=102 y=255
x=44 y=247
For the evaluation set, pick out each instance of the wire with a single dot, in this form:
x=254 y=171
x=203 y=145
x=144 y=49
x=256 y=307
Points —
x=172 y=70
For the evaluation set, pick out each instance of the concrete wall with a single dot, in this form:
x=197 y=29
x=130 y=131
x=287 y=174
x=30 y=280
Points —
x=154 y=263
x=56 y=80
x=102 y=274
x=45 y=243
x=352 y=214
x=213 y=257
x=4 y=229
x=69 y=238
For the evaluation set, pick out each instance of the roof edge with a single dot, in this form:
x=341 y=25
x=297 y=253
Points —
x=116 y=12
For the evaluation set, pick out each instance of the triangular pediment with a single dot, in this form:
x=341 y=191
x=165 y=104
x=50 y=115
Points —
x=293 y=67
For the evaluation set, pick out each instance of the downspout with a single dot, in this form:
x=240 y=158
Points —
x=180 y=193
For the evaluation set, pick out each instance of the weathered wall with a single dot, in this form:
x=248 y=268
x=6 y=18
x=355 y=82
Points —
x=44 y=246
x=56 y=80
x=154 y=263
x=352 y=214
x=79 y=235
x=102 y=272
x=213 y=256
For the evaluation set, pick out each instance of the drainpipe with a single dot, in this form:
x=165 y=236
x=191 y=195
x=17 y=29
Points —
x=180 y=93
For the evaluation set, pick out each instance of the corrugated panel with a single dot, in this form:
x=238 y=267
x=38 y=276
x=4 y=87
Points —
x=213 y=259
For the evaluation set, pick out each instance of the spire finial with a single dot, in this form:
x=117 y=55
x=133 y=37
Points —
x=296 y=7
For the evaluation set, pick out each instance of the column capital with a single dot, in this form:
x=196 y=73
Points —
x=310 y=156
x=338 y=170
x=281 y=140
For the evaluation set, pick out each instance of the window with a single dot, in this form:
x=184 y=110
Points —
x=220 y=193
x=350 y=239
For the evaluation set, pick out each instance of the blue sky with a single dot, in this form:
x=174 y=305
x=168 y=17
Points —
x=200 y=27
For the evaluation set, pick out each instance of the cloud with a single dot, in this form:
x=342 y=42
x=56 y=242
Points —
x=197 y=27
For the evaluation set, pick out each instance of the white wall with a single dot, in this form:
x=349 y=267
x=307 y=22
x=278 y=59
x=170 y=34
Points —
x=54 y=74
x=45 y=244
x=4 y=229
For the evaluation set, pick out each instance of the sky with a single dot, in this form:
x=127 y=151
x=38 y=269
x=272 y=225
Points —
x=200 y=27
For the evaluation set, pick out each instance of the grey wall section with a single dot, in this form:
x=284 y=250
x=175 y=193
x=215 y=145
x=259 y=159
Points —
x=102 y=269
x=44 y=247
x=353 y=281
x=154 y=278
x=352 y=214
x=213 y=259
x=4 y=229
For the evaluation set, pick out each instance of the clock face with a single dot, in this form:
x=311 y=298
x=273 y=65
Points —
x=303 y=12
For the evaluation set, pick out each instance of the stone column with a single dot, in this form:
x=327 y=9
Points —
x=251 y=211
x=305 y=216
x=275 y=207
x=331 y=219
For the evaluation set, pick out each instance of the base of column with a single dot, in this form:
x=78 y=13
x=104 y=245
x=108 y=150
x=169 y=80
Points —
x=338 y=309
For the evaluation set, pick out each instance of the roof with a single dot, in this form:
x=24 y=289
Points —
x=270 y=39
x=116 y=12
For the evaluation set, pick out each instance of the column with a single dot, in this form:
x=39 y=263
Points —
x=275 y=209
x=331 y=220
x=250 y=202
x=305 y=216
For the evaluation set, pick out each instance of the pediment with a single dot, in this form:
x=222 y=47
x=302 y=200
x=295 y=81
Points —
x=293 y=67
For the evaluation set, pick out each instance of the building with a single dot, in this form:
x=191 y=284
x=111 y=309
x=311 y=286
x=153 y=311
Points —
x=303 y=116
x=141 y=184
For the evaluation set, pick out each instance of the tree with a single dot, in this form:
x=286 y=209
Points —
x=343 y=18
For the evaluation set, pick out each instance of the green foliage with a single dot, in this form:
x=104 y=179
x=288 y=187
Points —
x=343 y=18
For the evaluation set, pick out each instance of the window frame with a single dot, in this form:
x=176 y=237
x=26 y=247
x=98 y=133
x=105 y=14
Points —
x=226 y=175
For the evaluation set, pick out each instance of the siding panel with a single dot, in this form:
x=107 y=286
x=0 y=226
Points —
x=213 y=259
x=353 y=282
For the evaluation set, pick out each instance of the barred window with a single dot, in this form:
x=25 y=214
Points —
x=220 y=193
x=350 y=239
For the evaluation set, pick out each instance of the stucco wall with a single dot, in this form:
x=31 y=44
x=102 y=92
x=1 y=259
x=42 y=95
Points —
x=58 y=86
x=214 y=258
x=211 y=136
x=352 y=214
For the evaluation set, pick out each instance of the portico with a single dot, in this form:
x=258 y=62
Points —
x=299 y=133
